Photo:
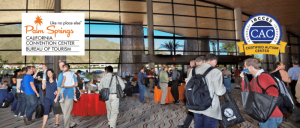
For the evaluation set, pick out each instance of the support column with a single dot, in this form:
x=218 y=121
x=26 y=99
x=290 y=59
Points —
x=204 y=46
x=284 y=57
x=150 y=30
x=238 y=28
x=52 y=61
x=132 y=44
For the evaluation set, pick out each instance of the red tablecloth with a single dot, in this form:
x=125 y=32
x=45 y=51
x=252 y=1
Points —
x=89 y=104
x=169 y=98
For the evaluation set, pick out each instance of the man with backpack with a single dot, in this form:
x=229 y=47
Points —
x=204 y=102
x=112 y=104
x=31 y=95
x=266 y=82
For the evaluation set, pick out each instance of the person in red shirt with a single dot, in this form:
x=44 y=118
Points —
x=265 y=80
x=237 y=78
x=151 y=80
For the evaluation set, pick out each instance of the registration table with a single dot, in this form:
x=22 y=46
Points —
x=169 y=99
x=89 y=104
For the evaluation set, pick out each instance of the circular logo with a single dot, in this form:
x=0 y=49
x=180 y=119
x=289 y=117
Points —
x=262 y=28
x=228 y=112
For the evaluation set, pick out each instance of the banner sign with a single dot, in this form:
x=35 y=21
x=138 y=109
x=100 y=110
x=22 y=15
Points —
x=53 y=34
x=262 y=35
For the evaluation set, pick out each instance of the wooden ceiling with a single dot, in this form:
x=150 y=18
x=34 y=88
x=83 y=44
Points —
x=287 y=12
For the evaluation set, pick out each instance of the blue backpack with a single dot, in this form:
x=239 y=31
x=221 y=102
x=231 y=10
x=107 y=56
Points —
x=22 y=87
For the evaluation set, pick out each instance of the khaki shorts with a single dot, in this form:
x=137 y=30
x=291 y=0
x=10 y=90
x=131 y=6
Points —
x=238 y=80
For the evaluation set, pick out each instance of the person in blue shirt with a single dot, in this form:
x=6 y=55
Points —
x=294 y=74
x=67 y=105
x=161 y=68
x=31 y=95
x=142 y=87
x=125 y=73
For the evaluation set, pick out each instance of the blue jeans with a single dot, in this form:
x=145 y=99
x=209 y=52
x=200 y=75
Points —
x=142 y=91
x=31 y=105
x=48 y=104
x=203 y=121
x=227 y=84
x=21 y=105
x=14 y=104
x=272 y=122
x=41 y=98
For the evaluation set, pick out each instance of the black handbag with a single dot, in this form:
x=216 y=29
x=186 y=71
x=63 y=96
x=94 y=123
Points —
x=39 y=111
x=231 y=114
x=143 y=80
x=259 y=106
x=57 y=107
x=119 y=90
x=104 y=92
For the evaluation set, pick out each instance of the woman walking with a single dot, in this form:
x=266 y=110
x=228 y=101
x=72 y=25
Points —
x=50 y=98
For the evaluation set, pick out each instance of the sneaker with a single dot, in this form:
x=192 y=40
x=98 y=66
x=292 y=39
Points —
x=21 y=116
x=61 y=100
x=16 y=115
x=75 y=99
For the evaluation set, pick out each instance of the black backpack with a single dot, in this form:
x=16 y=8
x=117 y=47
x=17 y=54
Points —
x=197 y=92
x=129 y=92
x=5 y=104
x=78 y=93
x=39 y=111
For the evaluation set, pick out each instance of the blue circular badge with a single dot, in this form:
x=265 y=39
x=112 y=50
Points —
x=262 y=28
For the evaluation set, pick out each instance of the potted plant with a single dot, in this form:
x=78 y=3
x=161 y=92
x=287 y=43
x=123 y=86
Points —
x=90 y=77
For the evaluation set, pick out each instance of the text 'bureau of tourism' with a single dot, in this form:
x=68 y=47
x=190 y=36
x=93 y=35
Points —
x=53 y=34
x=262 y=35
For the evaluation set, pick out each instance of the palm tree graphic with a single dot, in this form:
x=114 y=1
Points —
x=39 y=21
x=170 y=46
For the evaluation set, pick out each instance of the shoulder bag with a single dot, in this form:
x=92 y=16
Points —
x=119 y=90
x=104 y=92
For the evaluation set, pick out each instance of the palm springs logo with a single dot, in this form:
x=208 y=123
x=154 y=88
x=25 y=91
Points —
x=262 y=34
x=38 y=20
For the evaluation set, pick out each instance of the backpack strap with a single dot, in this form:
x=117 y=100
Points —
x=194 y=72
x=265 y=90
x=207 y=71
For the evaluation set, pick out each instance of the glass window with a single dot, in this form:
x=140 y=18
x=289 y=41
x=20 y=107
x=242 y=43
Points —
x=133 y=6
x=225 y=13
x=82 y=67
x=78 y=59
x=10 y=43
x=163 y=31
x=184 y=21
x=105 y=29
x=10 y=68
x=12 y=57
x=35 y=59
x=161 y=52
x=213 y=47
x=184 y=10
x=112 y=5
x=206 y=23
x=165 y=20
x=206 y=12
x=163 y=44
x=207 y=33
x=227 y=47
x=162 y=8
x=105 y=43
x=11 y=29
x=226 y=24
x=105 y=56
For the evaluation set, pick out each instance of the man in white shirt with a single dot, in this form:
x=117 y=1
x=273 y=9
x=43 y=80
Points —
x=112 y=105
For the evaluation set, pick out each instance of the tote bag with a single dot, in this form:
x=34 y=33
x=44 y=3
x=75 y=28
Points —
x=231 y=114
x=258 y=106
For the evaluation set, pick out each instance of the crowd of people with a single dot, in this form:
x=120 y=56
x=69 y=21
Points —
x=27 y=88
